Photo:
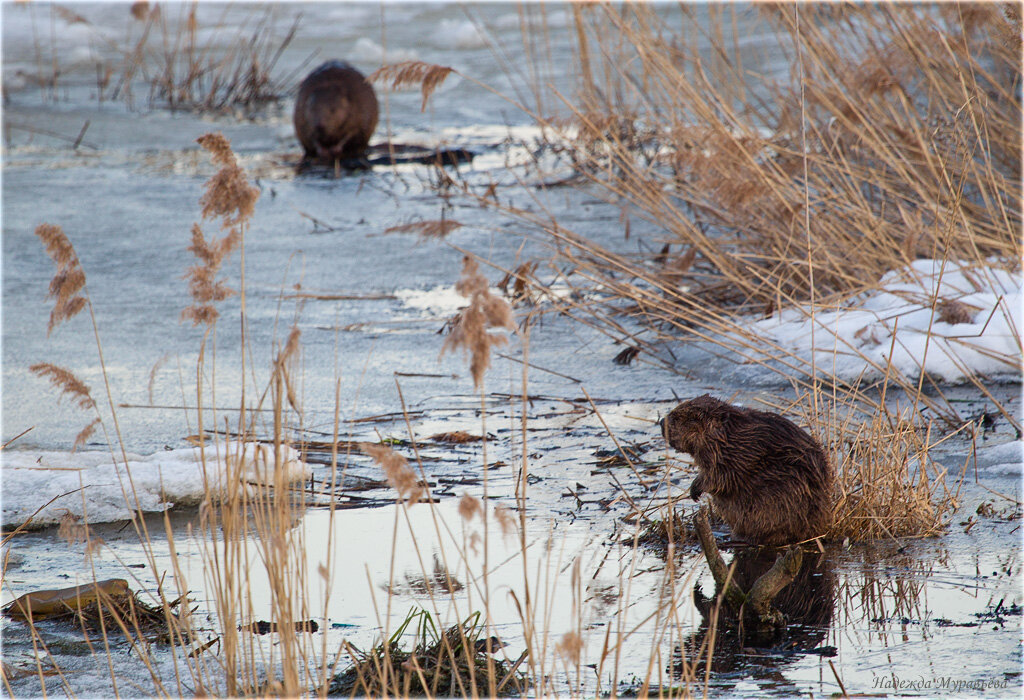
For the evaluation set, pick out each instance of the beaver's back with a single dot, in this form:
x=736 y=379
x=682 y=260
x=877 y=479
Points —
x=768 y=478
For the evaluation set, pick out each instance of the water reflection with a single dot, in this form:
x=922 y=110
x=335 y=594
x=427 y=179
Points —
x=808 y=604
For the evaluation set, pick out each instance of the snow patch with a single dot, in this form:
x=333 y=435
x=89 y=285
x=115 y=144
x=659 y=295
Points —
x=369 y=51
x=91 y=485
x=949 y=319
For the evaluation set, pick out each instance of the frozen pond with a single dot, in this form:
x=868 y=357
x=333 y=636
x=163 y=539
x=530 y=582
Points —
x=369 y=305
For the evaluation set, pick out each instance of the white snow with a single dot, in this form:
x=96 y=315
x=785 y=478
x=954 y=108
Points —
x=462 y=33
x=1006 y=458
x=902 y=323
x=91 y=485
x=369 y=52
x=441 y=299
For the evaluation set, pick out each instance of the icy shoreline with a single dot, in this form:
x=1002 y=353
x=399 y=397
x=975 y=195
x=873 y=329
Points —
x=91 y=486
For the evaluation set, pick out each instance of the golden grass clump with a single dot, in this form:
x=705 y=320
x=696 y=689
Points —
x=69 y=279
x=396 y=468
x=470 y=331
x=428 y=76
x=455 y=662
x=883 y=487
x=898 y=137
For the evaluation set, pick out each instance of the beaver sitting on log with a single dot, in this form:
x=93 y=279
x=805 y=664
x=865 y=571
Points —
x=767 y=478
x=335 y=114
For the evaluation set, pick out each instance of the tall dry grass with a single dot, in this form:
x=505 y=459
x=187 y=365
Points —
x=172 y=60
x=896 y=136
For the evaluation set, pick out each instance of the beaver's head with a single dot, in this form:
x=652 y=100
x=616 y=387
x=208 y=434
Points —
x=692 y=424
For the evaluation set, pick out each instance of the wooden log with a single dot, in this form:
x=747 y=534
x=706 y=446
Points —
x=734 y=595
x=768 y=585
x=40 y=605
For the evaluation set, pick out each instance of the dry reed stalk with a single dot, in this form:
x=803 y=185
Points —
x=428 y=76
x=884 y=490
x=901 y=140
x=186 y=73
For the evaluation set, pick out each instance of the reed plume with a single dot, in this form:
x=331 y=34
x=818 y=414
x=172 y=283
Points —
x=438 y=228
x=428 y=76
x=228 y=196
x=228 y=193
x=85 y=433
x=70 y=278
x=396 y=469
x=469 y=507
x=569 y=647
x=470 y=329
x=203 y=285
x=66 y=382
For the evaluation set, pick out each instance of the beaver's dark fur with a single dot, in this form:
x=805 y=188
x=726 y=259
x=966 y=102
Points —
x=335 y=113
x=767 y=478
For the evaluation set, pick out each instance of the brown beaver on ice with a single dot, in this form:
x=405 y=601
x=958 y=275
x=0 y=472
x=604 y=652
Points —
x=335 y=114
x=767 y=478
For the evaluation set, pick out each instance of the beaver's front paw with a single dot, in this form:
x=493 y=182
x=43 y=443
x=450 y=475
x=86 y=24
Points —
x=697 y=488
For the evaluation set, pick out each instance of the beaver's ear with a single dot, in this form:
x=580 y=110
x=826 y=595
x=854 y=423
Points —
x=714 y=427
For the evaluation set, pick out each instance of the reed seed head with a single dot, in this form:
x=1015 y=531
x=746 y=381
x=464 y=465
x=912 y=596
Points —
x=569 y=647
x=469 y=507
x=396 y=469
x=66 y=383
x=428 y=76
x=470 y=331
x=228 y=193
x=69 y=279
x=506 y=520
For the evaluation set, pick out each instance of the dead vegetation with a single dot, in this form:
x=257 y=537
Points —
x=452 y=663
x=887 y=485
x=897 y=137
x=471 y=330
x=100 y=607
x=427 y=76
x=175 y=60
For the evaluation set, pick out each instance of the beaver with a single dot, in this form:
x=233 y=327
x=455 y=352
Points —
x=767 y=478
x=335 y=113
